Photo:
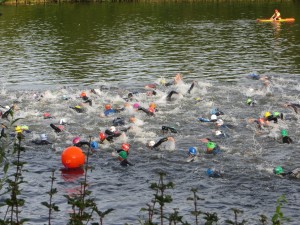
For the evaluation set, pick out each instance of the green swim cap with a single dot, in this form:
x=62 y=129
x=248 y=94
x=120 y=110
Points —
x=249 y=100
x=278 y=170
x=276 y=114
x=284 y=133
x=211 y=145
x=123 y=155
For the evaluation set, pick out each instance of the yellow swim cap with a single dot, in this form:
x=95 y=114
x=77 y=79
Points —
x=267 y=114
x=78 y=107
x=18 y=129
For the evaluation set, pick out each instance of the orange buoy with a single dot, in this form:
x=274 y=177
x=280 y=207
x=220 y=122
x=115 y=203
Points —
x=72 y=157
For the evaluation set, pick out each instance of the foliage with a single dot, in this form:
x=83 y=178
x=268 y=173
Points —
x=278 y=216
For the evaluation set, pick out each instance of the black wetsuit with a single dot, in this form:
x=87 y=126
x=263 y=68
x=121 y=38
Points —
x=81 y=143
x=295 y=174
x=77 y=109
x=41 y=142
x=118 y=121
x=110 y=135
x=155 y=146
x=55 y=128
x=287 y=140
x=169 y=96
x=125 y=162
x=191 y=87
x=171 y=129
x=294 y=106
x=146 y=111
x=87 y=100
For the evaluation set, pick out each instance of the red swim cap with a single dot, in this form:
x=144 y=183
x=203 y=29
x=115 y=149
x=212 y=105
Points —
x=126 y=147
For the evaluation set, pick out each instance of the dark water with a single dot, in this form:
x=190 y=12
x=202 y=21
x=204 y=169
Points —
x=58 y=50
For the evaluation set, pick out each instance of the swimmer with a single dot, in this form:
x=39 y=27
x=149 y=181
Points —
x=78 y=143
x=110 y=111
x=214 y=173
x=154 y=145
x=250 y=102
x=112 y=133
x=211 y=147
x=273 y=117
x=47 y=116
x=58 y=128
x=294 y=106
x=213 y=118
x=169 y=96
x=191 y=87
x=220 y=134
x=86 y=98
x=294 y=174
x=118 y=121
x=285 y=138
x=149 y=111
x=78 y=108
x=192 y=155
x=123 y=158
x=166 y=129
x=216 y=111
x=43 y=140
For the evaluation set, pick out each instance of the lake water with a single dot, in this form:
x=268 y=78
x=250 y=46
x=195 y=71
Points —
x=117 y=48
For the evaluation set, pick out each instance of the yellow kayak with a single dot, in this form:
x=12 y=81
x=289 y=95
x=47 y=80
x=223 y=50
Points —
x=281 y=20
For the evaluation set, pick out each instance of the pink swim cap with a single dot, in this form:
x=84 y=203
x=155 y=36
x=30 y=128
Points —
x=136 y=105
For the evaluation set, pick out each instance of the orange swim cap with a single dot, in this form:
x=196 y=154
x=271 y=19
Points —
x=152 y=105
x=107 y=106
x=151 y=110
x=83 y=94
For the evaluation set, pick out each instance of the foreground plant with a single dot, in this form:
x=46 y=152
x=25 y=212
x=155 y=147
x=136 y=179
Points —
x=235 y=222
x=51 y=206
x=14 y=203
x=160 y=198
x=82 y=206
x=278 y=217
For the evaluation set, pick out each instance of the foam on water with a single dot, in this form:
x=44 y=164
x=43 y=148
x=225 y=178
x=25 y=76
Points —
x=248 y=157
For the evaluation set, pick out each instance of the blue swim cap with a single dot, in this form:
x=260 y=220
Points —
x=214 y=111
x=192 y=150
x=209 y=172
x=94 y=145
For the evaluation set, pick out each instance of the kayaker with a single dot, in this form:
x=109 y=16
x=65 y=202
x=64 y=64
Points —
x=276 y=15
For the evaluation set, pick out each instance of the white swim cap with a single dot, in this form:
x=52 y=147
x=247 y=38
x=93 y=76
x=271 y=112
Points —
x=151 y=143
x=44 y=137
x=7 y=107
x=220 y=122
x=218 y=132
x=213 y=117
x=62 y=121
x=112 y=128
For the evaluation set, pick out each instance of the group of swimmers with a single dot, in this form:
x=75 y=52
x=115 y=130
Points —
x=130 y=105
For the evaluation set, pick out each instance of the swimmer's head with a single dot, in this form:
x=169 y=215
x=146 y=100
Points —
x=152 y=105
x=136 y=105
x=267 y=114
x=220 y=122
x=76 y=140
x=62 y=121
x=209 y=172
x=107 y=106
x=217 y=132
x=151 y=143
x=94 y=145
x=151 y=110
x=126 y=147
x=102 y=136
x=83 y=94
x=193 y=151
x=112 y=129
x=249 y=101
x=278 y=170
x=44 y=137
x=213 y=117
x=132 y=119
x=211 y=145
x=123 y=155
x=284 y=133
